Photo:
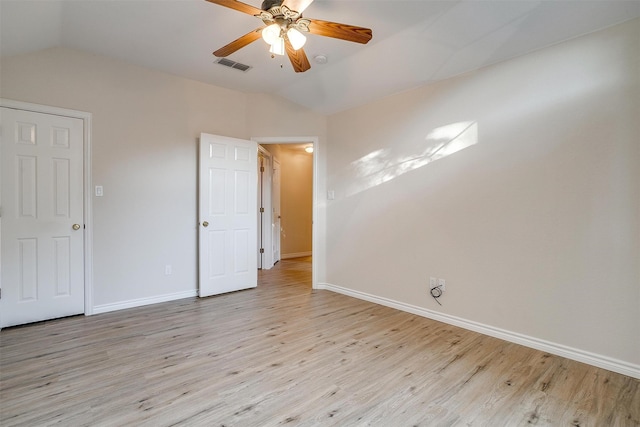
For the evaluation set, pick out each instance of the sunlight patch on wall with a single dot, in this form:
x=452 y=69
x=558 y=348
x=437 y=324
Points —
x=384 y=165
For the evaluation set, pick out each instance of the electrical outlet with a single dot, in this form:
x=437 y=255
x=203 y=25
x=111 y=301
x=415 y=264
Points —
x=442 y=284
x=433 y=282
x=167 y=270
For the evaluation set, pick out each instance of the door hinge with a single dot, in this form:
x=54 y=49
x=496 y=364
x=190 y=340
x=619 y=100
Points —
x=261 y=250
x=261 y=168
x=261 y=210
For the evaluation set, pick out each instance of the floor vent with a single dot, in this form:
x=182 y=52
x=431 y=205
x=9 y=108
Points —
x=232 y=64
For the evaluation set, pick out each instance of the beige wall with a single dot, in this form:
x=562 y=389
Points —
x=145 y=130
x=269 y=116
x=297 y=201
x=535 y=227
x=296 y=173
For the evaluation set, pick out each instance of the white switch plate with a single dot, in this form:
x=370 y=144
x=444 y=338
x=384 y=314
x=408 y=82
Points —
x=167 y=270
x=442 y=284
x=331 y=195
x=99 y=192
x=433 y=282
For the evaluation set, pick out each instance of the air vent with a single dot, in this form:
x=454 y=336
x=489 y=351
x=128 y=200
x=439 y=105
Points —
x=232 y=64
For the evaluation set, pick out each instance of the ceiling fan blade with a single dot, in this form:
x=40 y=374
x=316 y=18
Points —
x=340 y=31
x=239 y=43
x=239 y=6
x=298 y=58
x=297 y=5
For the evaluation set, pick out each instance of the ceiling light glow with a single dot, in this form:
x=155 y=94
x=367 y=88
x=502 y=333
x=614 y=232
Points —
x=271 y=33
x=278 y=46
x=296 y=38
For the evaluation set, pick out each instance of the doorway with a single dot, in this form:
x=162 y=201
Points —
x=294 y=143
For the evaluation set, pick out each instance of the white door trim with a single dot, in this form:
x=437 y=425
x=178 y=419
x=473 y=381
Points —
x=315 y=223
x=88 y=212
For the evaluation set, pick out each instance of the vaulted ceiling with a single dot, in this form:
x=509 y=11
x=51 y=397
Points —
x=414 y=41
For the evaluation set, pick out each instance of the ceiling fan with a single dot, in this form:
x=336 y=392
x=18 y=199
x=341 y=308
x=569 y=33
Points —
x=283 y=28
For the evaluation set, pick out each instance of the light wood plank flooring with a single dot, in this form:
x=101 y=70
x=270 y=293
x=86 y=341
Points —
x=283 y=354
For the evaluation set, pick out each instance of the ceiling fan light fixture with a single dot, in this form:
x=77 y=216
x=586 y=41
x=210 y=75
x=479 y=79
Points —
x=277 y=47
x=271 y=33
x=296 y=38
x=284 y=27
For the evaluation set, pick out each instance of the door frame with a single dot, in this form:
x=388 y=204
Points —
x=315 y=241
x=87 y=174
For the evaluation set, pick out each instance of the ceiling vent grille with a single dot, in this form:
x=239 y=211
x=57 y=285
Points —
x=232 y=64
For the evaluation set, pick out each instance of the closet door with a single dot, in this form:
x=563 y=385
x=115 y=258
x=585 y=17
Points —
x=42 y=217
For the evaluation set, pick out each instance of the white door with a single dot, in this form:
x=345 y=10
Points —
x=275 y=198
x=265 y=257
x=227 y=214
x=260 y=201
x=42 y=249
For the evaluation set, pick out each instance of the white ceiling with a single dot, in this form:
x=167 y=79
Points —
x=414 y=41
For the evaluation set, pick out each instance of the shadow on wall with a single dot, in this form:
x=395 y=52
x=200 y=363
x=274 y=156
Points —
x=384 y=165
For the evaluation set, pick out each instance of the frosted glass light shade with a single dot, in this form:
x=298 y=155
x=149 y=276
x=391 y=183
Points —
x=296 y=38
x=278 y=46
x=271 y=33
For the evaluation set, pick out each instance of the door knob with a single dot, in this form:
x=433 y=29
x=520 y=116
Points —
x=205 y=224
x=76 y=227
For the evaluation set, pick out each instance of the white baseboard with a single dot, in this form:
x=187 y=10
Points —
x=105 y=308
x=597 y=360
x=295 y=255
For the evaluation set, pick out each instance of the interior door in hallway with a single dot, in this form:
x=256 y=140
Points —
x=227 y=214
x=42 y=237
x=275 y=200
x=265 y=258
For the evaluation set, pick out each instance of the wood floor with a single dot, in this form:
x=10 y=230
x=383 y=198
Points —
x=283 y=354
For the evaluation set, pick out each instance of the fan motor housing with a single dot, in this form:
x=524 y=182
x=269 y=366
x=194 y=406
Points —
x=268 y=4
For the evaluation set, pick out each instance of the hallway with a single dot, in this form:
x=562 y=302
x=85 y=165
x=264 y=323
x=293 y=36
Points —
x=287 y=272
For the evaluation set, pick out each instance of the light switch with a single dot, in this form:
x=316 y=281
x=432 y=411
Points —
x=99 y=192
x=331 y=195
